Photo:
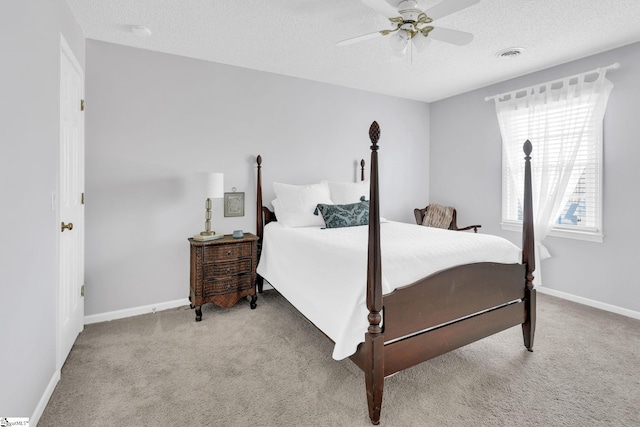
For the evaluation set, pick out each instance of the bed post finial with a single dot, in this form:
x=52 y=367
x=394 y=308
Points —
x=528 y=251
x=374 y=339
x=374 y=135
x=527 y=148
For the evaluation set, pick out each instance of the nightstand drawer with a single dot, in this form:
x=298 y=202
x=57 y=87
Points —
x=232 y=268
x=222 y=252
x=224 y=286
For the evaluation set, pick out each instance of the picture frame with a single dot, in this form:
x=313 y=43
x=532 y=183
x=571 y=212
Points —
x=234 y=204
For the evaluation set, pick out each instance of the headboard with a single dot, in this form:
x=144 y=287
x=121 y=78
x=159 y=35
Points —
x=264 y=215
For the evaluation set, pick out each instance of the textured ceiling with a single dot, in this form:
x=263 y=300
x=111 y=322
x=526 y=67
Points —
x=298 y=38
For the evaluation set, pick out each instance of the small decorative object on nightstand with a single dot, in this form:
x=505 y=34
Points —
x=223 y=271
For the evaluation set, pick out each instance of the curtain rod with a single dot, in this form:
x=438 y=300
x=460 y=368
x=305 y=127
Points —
x=613 y=66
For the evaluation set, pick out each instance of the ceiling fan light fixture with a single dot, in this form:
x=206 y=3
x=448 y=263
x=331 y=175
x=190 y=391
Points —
x=420 y=42
x=399 y=40
x=410 y=21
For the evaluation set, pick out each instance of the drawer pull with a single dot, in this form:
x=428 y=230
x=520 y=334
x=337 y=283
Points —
x=228 y=286
x=228 y=270
x=228 y=253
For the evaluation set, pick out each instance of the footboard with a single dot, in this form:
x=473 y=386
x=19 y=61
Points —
x=450 y=294
x=450 y=309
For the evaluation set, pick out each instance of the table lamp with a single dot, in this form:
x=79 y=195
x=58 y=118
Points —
x=214 y=189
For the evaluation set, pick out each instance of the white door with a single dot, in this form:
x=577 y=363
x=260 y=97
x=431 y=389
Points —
x=71 y=203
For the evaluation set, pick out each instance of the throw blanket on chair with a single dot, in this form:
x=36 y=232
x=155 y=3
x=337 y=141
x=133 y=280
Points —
x=438 y=216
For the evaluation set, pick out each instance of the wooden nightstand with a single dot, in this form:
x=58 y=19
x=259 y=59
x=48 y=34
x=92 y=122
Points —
x=223 y=271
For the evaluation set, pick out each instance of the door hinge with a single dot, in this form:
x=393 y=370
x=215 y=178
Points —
x=82 y=199
x=82 y=291
x=82 y=105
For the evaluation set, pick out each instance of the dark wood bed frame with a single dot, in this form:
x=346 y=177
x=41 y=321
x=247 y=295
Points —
x=441 y=312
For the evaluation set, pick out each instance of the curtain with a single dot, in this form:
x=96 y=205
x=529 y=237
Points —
x=558 y=118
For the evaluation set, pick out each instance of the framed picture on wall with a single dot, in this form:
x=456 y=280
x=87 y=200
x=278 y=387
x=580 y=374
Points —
x=234 y=204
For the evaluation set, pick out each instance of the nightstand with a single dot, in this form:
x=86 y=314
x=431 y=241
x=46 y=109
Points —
x=223 y=271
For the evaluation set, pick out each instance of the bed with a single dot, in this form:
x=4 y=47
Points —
x=431 y=299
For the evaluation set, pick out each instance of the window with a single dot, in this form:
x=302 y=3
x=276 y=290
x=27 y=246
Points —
x=563 y=121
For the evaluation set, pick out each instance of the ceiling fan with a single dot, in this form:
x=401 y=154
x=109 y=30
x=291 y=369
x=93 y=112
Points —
x=409 y=23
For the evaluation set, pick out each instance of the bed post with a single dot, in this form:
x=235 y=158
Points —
x=259 y=221
x=528 y=253
x=374 y=340
x=362 y=170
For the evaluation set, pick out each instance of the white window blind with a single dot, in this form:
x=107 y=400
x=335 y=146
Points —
x=557 y=128
x=563 y=120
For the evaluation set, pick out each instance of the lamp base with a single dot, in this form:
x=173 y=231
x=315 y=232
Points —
x=204 y=238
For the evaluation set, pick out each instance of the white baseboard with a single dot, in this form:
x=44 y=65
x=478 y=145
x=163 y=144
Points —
x=134 y=311
x=44 y=400
x=590 y=302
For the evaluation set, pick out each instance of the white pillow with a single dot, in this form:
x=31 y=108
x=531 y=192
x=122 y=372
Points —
x=277 y=209
x=344 y=193
x=296 y=203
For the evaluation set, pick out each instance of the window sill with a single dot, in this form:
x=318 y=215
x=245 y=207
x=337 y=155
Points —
x=560 y=232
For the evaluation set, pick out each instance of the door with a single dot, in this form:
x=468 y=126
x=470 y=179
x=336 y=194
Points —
x=71 y=203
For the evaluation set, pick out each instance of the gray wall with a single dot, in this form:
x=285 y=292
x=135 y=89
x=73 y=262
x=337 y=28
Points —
x=154 y=120
x=29 y=134
x=466 y=171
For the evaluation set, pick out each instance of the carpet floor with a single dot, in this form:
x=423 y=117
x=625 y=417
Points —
x=270 y=367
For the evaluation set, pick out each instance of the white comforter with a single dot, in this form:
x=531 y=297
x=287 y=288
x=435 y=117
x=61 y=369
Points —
x=323 y=272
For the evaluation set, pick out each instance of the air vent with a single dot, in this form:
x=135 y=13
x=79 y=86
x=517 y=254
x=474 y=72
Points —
x=511 y=52
x=140 y=31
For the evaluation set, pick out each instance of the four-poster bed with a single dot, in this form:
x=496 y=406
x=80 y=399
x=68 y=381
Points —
x=440 y=312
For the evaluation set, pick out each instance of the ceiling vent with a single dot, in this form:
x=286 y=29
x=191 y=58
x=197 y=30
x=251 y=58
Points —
x=140 y=31
x=511 y=52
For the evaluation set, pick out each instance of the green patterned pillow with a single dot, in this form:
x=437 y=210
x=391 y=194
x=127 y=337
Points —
x=336 y=216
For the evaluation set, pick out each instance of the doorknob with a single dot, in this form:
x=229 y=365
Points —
x=68 y=226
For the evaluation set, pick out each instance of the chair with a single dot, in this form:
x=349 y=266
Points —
x=442 y=215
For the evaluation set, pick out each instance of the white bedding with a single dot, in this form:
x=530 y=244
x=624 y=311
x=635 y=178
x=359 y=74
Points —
x=323 y=272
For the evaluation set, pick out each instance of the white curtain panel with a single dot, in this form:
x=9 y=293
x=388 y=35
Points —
x=554 y=117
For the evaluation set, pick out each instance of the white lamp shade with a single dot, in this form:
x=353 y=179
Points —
x=420 y=42
x=398 y=41
x=214 y=185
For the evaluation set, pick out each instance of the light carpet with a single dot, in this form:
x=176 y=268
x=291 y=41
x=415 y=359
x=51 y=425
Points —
x=270 y=367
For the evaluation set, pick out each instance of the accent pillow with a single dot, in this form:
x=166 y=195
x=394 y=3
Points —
x=343 y=193
x=337 y=216
x=438 y=216
x=296 y=203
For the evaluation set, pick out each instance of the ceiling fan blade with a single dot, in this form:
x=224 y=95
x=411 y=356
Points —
x=447 y=7
x=359 y=38
x=447 y=35
x=383 y=8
